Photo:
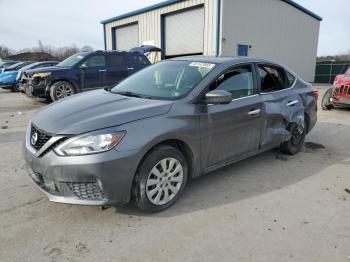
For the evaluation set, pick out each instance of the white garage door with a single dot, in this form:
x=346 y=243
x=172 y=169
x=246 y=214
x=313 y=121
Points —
x=127 y=37
x=184 y=32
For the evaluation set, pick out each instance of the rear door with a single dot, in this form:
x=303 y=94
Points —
x=283 y=105
x=117 y=69
x=232 y=131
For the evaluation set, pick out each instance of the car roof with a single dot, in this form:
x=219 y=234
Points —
x=221 y=59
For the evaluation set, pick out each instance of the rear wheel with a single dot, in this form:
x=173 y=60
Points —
x=160 y=179
x=60 y=90
x=295 y=143
x=326 y=100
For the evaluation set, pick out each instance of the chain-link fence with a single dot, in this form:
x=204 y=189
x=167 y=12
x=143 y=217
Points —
x=326 y=71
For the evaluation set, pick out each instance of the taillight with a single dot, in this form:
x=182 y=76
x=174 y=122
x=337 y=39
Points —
x=314 y=93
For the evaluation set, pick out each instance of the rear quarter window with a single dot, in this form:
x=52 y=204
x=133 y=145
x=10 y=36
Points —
x=290 y=79
x=139 y=59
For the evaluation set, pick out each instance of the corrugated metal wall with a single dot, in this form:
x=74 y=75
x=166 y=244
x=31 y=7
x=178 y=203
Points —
x=150 y=24
x=275 y=30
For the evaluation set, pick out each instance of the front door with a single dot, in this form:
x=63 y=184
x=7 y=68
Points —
x=93 y=72
x=232 y=131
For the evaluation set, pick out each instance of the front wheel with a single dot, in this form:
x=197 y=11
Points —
x=326 y=100
x=160 y=179
x=60 y=90
x=15 y=88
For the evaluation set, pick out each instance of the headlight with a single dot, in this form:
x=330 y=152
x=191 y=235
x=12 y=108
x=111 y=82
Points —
x=42 y=74
x=89 y=144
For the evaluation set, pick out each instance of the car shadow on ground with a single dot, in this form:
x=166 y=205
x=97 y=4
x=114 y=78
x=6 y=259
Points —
x=252 y=177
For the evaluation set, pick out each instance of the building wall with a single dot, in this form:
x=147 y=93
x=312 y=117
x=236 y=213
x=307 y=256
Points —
x=275 y=30
x=150 y=24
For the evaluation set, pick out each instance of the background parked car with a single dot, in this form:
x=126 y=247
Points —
x=339 y=94
x=6 y=63
x=9 y=74
x=84 y=71
x=21 y=80
x=15 y=66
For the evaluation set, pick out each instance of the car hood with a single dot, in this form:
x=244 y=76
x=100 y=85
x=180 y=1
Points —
x=7 y=73
x=342 y=79
x=95 y=110
x=47 y=69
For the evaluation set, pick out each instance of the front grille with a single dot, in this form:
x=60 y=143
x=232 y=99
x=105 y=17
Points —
x=87 y=191
x=53 y=146
x=42 y=138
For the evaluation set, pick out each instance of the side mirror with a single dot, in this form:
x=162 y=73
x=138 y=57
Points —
x=218 y=97
x=83 y=66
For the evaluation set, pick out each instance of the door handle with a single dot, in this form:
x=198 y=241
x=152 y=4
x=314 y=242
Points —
x=254 y=112
x=292 y=103
x=130 y=68
x=102 y=70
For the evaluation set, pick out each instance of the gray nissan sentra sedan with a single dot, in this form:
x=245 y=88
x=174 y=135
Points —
x=170 y=122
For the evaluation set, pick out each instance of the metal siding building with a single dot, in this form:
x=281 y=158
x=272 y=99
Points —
x=280 y=30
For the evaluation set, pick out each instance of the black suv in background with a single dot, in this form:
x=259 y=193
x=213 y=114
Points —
x=83 y=72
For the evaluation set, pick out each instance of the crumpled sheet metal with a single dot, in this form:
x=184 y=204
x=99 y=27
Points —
x=282 y=120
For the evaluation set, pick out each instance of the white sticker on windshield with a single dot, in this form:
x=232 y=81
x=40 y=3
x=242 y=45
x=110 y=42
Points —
x=200 y=64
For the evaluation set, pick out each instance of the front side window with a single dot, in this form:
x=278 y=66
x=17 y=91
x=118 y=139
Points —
x=271 y=78
x=95 y=61
x=238 y=81
x=166 y=80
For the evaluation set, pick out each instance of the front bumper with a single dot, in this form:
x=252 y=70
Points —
x=6 y=86
x=36 y=88
x=99 y=179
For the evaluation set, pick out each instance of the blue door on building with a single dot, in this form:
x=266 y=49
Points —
x=242 y=50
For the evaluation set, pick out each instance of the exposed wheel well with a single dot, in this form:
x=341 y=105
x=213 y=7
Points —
x=307 y=121
x=178 y=144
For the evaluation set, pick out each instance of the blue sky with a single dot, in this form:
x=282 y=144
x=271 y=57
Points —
x=64 y=22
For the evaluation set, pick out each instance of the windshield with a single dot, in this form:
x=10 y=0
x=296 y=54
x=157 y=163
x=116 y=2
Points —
x=165 y=80
x=14 y=66
x=72 y=60
x=29 y=66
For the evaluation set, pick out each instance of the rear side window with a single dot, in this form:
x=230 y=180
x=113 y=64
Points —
x=238 y=81
x=116 y=59
x=139 y=59
x=290 y=79
x=96 y=61
x=271 y=78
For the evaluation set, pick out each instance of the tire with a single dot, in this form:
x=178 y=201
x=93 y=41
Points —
x=15 y=88
x=326 y=103
x=151 y=184
x=295 y=143
x=60 y=90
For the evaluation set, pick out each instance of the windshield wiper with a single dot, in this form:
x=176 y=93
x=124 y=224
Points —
x=131 y=94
